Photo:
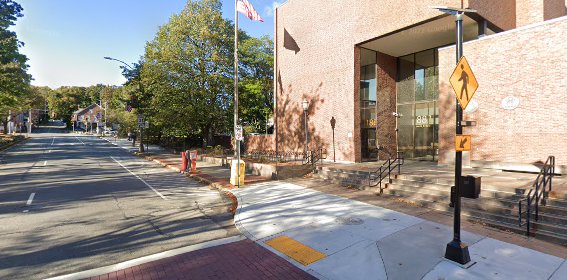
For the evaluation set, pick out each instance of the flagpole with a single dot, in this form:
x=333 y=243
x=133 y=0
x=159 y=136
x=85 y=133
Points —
x=236 y=88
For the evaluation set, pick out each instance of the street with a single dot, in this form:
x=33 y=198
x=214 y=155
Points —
x=70 y=203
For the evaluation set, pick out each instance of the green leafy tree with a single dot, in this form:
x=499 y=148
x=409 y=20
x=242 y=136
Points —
x=256 y=82
x=188 y=71
x=14 y=79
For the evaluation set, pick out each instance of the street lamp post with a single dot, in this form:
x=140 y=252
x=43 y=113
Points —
x=141 y=149
x=456 y=250
x=305 y=105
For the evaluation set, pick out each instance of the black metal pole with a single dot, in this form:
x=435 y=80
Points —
x=306 y=134
x=456 y=250
x=334 y=158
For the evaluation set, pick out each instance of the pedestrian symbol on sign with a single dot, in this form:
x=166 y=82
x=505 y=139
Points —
x=464 y=82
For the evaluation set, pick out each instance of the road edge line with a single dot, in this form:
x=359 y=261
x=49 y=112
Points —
x=158 y=256
x=140 y=178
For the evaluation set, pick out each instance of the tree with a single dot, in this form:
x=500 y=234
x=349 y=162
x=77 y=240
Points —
x=188 y=70
x=14 y=79
x=256 y=81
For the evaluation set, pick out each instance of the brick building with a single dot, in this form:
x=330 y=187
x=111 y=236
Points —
x=87 y=118
x=361 y=61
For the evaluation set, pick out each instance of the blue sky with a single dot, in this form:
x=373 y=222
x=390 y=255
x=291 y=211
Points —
x=66 y=40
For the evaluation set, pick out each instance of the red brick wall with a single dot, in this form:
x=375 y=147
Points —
x=325 y=68
x=528 y=63
x=386 y=105
x=260 y=142
x=534 y=11
x=554 y=9
x=501 y=13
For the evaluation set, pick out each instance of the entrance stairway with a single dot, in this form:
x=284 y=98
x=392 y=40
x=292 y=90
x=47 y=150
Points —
x=497 y=206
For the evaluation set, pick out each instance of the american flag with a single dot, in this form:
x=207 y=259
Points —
x=247 y=9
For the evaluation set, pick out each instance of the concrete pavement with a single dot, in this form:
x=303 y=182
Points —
x=362 y=241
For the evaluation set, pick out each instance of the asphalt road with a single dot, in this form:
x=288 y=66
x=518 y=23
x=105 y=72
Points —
x=70 y=203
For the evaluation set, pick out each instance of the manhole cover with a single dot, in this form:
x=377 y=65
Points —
x=349 y=221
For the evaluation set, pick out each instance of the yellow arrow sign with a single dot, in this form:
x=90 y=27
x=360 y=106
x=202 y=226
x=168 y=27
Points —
x=463 y=82
x=462 y=143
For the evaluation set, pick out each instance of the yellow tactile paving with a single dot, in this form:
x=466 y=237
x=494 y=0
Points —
x=295 y=250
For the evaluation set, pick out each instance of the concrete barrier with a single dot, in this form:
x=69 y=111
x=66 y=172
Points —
x=276 y=172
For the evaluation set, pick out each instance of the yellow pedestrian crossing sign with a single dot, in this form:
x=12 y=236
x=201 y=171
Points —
x=463 y=82
x=463 y=143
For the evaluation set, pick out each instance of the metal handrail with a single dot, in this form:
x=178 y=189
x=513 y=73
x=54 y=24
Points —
x=315 y=156
x=539 y=191
x=387 y=166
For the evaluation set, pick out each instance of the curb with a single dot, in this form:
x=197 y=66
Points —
x=150 y=258
x=7 y=147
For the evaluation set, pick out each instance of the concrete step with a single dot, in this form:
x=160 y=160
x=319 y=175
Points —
x=504 y=219
x=555 y=202
x=486 y=191
x=497 y=205
x=442 y=189
x=550 y=227
x=504 y=206
x=541 y=234
x=514 y=187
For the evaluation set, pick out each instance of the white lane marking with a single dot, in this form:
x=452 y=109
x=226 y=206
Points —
x=45 y=163
x=80 y=140
x=52 y=141
x=143 y=181
x=32 y=195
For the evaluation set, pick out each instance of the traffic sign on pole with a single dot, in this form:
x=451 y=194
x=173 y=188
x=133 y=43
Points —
x=239 y=135
x=463 y=82
x=462 y=143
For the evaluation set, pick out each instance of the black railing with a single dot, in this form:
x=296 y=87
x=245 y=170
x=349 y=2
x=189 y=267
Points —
x=538 y=192
x=313 y=157
x=375 y=178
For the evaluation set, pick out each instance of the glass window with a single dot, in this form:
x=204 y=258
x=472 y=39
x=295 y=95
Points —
x=368 y=103
x=368 y=83
x=417 y=93
x=406 y=81
x=367 y=57
x=425 y=76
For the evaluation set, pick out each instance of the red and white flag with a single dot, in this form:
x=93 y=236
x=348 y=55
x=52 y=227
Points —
x=246 y=8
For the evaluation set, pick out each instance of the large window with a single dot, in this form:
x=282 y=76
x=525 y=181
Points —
x=368 y=103
x=417 y=93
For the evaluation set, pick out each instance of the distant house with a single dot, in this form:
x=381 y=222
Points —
x=87 y=117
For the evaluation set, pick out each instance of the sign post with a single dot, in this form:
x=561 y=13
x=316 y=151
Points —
x=464 y=84
x=239 y=137
x=141 y=126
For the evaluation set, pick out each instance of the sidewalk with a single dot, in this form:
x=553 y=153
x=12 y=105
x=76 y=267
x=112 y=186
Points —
x=333 y=237
x=338 y=238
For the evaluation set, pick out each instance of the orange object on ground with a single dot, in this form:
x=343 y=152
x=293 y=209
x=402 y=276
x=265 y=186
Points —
x=183 y=161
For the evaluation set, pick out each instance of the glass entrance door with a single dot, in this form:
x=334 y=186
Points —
x=368 y=141
x=417 y=130
x=425 y=131
x=417 y=92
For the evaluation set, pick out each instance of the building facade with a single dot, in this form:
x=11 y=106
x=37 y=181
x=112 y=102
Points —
x=87 y=118
x=380 y=69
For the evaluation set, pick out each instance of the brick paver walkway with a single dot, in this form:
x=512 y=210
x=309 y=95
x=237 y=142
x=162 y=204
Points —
x=239 y=260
